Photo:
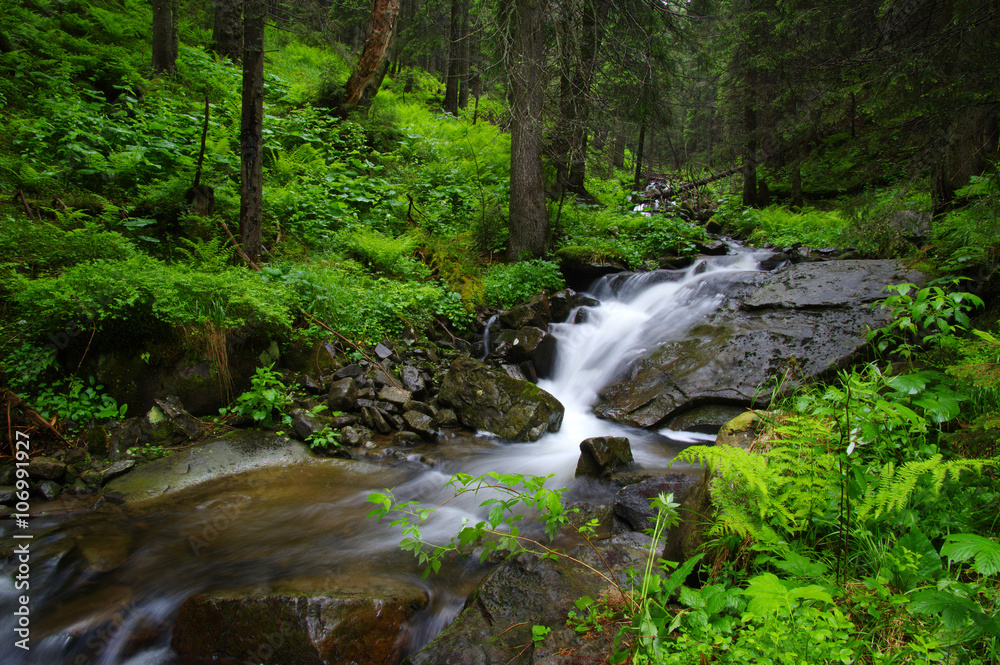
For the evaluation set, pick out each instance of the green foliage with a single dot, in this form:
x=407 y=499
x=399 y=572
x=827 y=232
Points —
x=79 y=402
x=930 y=314
x=506 y=285
x=266 y=400
x=366 y=309
x=782 y=226
x=142 y=290
x=508 y=492
x=327 y=438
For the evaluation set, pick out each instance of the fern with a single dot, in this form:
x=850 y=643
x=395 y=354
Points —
x=896 y=485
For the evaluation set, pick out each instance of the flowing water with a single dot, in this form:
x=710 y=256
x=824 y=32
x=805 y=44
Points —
x=308 y=520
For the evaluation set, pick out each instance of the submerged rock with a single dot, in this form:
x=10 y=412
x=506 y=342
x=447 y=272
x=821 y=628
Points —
x=799 y=324
x=320 y=621
x=494 y=402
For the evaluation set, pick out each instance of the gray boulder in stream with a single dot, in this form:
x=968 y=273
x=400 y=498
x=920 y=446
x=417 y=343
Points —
x=494 y=402
x=797 y=324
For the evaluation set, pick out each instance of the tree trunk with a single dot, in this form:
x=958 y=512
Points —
x=466 y=55
x=369 y=71
x=227 y=33
x=639 y=151
x=750 y=159
x=175 y=13
x=453 y=77
x=795 y=173
x=529 y=222
x=163 y=60
x=251 y=128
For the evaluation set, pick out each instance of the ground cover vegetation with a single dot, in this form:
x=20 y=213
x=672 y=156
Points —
x=864 y=124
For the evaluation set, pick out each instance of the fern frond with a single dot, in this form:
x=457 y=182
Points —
x=896 y=485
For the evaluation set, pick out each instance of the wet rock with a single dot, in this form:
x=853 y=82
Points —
x=309 y=384
x=632 y=503
x=531 y=344
x=119 y=468
x=494 y=627
x=413 y=381
x=306 y=423
x=421 y=423
x=406 y=439
x=351 y=436
x=831 y=284
x=382 y=351
x=422 y=407
x=342 y=421
x=351 y=371
x=343 y=394
x=234 y=453
x=491 y=401
x=395 y=395
x=713 y=248
x=447 y=418
x=797 y=325
x=602 y=455
x=533 y=312
x=306 y=622
x=49 y=489
x=705 y=418
x=373 y=418
x=8 y=494
x=774 y=261
x=562 y=303
x=46 y=468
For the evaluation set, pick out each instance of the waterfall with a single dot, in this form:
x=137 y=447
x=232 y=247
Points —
x=636 y=313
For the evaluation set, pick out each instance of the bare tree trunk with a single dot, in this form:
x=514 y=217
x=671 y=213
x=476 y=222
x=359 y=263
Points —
x=251 y=128
x=529 y=222
x=466 y=55
x=639 y=152
x=227 y=33
x=750 y=159
x=163 y=52
x=175 y=12
x=795 y=173
x=369 y=71
x=453 y=80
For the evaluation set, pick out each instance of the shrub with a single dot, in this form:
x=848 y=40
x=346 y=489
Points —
x=506 y=285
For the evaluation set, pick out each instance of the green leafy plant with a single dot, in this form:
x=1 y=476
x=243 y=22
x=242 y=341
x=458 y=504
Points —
x=266 y=400
x=929 y=314
x=78 y=401
x=327 y=438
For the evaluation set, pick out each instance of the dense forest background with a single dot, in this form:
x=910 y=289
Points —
x=184 y=179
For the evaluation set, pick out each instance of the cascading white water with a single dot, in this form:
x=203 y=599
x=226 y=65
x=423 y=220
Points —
x=637 y=312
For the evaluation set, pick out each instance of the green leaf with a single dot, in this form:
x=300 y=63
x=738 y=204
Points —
x=964 y=546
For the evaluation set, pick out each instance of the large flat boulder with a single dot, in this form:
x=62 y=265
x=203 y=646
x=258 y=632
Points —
x=238 y=452
x=313 y=621
x=495 y=402
x=796 y=325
